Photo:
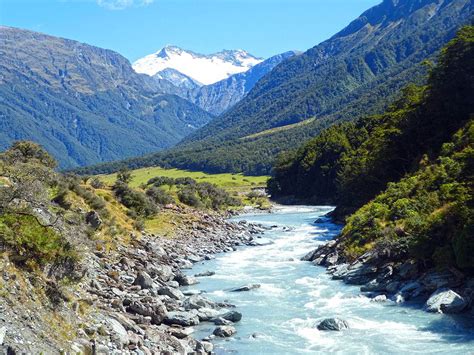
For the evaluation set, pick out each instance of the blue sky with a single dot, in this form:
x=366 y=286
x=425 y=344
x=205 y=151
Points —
x=135 y=28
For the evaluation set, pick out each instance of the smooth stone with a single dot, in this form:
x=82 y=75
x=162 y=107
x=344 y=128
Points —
x=335 y=324
x=445 y=300
x=233 y=316
x=379 y=298
x=185 y=280
x=197 y=302
x=222 y=321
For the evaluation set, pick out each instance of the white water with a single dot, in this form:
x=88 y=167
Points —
x=280 y=317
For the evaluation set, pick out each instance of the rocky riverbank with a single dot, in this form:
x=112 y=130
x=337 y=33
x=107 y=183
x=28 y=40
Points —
x=384 y=276
x=129 y=300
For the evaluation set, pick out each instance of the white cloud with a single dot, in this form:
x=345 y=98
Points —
x=122 y=4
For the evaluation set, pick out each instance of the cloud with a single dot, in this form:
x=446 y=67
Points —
x=122 y=4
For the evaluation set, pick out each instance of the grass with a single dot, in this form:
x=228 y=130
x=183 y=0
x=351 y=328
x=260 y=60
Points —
x=279 y=129
x=230 y=182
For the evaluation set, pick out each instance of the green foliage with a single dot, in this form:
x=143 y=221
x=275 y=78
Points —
x=159 y=196
x=29 y=241
x=405 y=177
x=137 y=201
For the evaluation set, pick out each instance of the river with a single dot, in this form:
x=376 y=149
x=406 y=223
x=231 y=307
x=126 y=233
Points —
x=279 y=317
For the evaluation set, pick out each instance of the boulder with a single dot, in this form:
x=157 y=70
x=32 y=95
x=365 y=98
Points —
x=93 y=219
x=156 y=310
x=333 y=324
x=162 y=272
x=117 y=332
x=143 y=280
x=185 y=319
x=171 y=292
x=233 y=316
x=222 y=321
x=445 y=300
x=224 y=331
x=245 y=288
x=206 y=314
x=185 y=280
x=197 y=302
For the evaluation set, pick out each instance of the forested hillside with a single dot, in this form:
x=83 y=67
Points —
x=405 y=177
x=357 y=72
x=82 y=103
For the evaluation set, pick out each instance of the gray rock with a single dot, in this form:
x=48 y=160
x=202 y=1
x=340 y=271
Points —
x=245 y=288
x=224 y=331
x=181 y=333
x=197 y=302
x=204 y=346
x=222 y=321
x=185 y=280
x=392 y=287
x=3 y=333
x=117 y=332
x=143 y=280
x=233 y=316
x=162 y=272
x=408 y=270
x=373 y=286
x=186 y=319
x=435 y=280
x=93 y=219
x=171 y=292
x=445 y=300
x=207 y=314
x=205 y=274
x=333 y=324
x=155 y=310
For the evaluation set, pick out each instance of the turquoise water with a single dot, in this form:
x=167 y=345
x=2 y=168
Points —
x=279 y=317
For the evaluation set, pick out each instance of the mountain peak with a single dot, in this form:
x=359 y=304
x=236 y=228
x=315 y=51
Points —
x=205 y=69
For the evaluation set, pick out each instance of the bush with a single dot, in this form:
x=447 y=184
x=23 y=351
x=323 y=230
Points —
x=159 y=196
x=134 y=200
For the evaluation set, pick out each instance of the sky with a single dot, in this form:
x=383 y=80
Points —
x=135 y=28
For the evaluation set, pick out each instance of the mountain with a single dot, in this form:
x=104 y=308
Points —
x=82 y=103
x=204 y=69
x=219 y=97
x=356 y=72
x=178 y=79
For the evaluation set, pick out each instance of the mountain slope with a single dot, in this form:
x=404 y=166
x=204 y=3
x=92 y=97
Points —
x=403 y=178
x=82 y=103
x=355 y=72
x=219 y=97
x=205 y=69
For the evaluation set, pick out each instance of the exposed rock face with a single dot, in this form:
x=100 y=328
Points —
x=186 y=319
x=93 y=219
x=333 y=324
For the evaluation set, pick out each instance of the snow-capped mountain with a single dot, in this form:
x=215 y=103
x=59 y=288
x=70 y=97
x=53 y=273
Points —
x=204 y=69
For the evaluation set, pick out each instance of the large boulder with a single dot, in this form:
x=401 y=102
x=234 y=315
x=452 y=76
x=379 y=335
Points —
x=224 y=331
x=186 y=319
x=333 y=324
x=445 y=300
x=162 y=272
x=143 y=280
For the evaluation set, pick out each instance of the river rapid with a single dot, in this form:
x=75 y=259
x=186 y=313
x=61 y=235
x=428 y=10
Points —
x=280 y=316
